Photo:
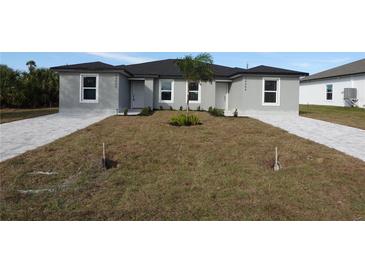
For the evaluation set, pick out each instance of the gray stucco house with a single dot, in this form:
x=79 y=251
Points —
x=98 y=86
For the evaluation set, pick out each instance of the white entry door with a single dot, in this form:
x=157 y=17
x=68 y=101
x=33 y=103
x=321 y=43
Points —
x=137 y=94
x=221 y=95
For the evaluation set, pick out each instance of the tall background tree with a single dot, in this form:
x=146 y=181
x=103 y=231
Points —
x=196 y=69
x=35 y=88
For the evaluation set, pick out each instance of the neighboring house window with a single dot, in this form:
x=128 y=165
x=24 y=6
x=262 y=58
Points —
x=194 y=92
x=271 y=92
x=166 y=91
x=89 y=88
x=329 y=92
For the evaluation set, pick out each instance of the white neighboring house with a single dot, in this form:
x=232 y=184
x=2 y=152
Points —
x=340 y=86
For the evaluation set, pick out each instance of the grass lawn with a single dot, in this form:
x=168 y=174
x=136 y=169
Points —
x=353 y=117
x=10 y=114
x=220 y=170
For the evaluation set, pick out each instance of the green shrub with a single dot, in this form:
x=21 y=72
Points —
x=181 y=108
x=146 y=111
x=125 y=111
x=216 y=111
x=185 y=120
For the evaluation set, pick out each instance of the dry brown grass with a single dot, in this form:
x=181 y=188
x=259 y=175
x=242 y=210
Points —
x=13 y=114
x=353 y=117
x=220 y=170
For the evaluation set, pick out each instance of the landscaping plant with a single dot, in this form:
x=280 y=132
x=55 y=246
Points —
x=216 y=111
x=147 y=111
x=185 y=120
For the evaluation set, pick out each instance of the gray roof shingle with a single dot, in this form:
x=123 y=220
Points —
x=356 y=67
x=86 y=66
x=169 y=68
x=274 y=71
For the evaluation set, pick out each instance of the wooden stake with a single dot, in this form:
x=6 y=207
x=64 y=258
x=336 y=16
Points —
x=276 y=164
x=104 y=161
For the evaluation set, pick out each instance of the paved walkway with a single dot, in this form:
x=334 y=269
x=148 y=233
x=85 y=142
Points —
x=343 y=138
x=20 y=136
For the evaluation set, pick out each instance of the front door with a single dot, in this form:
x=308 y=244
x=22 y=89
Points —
x=221 y=95
x=137 y=94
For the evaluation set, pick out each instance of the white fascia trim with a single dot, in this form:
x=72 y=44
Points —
x=82 y=100
x=277 y=91
x=136 y=79
x=223 y=81
x=160 y=91
x=199 y=93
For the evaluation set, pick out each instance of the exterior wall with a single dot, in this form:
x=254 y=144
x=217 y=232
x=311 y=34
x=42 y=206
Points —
x=314 y=92
x=246 y=94
x=114 y=92
x=124 y=93
x=108 y=90
x=180 y=90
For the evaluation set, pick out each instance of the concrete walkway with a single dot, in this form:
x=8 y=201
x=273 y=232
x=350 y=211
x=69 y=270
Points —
x=346 y=139
x=20 y=136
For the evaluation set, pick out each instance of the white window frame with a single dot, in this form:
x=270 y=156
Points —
x=277 y=103
x=198 y=91
x=329 y=92
x=160 y=91
x=82 y=100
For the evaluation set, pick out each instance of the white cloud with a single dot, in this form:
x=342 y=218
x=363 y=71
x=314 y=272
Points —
x=122 y=57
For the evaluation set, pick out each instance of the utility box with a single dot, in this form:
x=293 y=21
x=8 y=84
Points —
x=350 y=93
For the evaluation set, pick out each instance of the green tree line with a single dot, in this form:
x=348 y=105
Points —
x=37 y=87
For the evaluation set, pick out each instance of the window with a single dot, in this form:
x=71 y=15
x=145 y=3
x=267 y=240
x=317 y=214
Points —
x=166 y=91
x=329 y=92
x=88 y=88
x=194 y=92
x=271 y=92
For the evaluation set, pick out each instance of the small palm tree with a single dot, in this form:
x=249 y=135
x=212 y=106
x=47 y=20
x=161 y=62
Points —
x=31 y=65
x=196 y=69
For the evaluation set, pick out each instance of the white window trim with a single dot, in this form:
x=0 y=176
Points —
x=82 y=100
x=199 y=93
x=277 y=103
x=329 y=92
x=160 y=91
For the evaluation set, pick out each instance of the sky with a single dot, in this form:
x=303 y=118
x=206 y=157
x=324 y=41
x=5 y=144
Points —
x=310 y=62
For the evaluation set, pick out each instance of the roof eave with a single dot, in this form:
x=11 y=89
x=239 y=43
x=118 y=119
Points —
x=333 y=76
x=91 y=70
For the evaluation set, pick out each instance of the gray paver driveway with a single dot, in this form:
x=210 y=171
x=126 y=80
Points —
x=20 y=136
x=343 y=138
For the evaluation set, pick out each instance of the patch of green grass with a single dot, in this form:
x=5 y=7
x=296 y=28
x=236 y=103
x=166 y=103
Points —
x=353 y=117
x=9 y=114
x=220 y=170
